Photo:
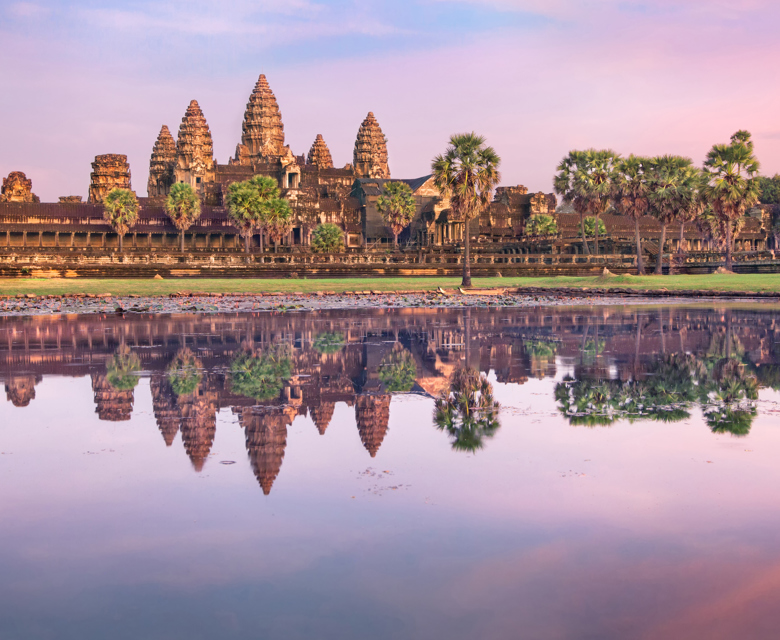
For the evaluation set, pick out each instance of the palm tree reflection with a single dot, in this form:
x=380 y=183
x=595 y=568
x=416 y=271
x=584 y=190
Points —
x=468 y=413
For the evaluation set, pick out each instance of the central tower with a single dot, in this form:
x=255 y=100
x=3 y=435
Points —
x=262 y=136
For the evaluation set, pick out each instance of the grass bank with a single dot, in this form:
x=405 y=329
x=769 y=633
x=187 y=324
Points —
x=768 y=283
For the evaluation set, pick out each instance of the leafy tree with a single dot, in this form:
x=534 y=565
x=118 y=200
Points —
x=327 y=238
x=541 y=225
x=585 y=180
x=674 y=194
x=328 y=343
x=630 y=196
x=183 y=207
x=397 y=207
x=769 y=189
x=468 y=413
x=592 y=230
x=732 y=187
x=261 y=375
x=398 y=371
x=120 y=210
x=248 y=202
x=122 y=368
x=467 y=173
x=277 y=220
x=184 y=372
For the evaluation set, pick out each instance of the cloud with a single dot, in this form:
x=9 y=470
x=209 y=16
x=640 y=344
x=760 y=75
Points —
x=27 y=10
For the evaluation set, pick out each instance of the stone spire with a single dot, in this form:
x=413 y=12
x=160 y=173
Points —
x=322 y=416
x=265 y=429
x=114 y=405
x=17 y=187
x=166 y=410
x=319 y=154
x=370 y=157
x=161 y=165
x=262 y=137
x=194 y=148
x=372 y=414
x=198 y=425
x=109 y=171
x=20 y=390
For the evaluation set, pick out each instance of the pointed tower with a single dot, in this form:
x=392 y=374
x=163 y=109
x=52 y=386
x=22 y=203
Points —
x=113 y=405
x=109 y=171
x=322 y=415
x=370 y=157
x=319 y=154
x=262 y=137
x=194 y=149
x=265 y=429
x=198 y=425
x=372 y=414
x=166 y=411
x=161 y=165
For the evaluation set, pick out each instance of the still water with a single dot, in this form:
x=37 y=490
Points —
x=606 y=472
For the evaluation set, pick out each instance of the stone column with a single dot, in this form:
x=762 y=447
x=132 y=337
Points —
x=56 y=238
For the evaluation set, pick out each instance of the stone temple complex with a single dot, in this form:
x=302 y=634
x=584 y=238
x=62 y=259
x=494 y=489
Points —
x=319 y=190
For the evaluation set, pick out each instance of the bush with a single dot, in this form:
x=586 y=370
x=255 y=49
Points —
x=541 y=224
x=327 y=238
x=590 y=227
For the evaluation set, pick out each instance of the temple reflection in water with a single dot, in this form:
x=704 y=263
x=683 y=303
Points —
x=609 y=364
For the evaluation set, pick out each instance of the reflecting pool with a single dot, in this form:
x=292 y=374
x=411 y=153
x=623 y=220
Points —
x=566 y=472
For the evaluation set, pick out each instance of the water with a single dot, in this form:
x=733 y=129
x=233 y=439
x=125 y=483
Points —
x=251 y=476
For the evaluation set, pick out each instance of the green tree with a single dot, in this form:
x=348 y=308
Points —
x=769 y=189
x=541 y=225
x=397 y=207
x=247 y=204
x=592 y=229
x=468 y=413
x=120 y=210
x=328 y=343
x=467 y=173
x=277 y=220
x=585 y=180
x=183 y=207
x=630 y=196
x=674 y=194
x=261 y=375
x=327 y=238
x=732 y=187
x=184 y=373
x=122 y=369
x=398 y=371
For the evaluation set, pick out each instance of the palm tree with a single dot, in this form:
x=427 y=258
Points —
x=732 y=187
x=247 y=204
x=183 y=207
x=467 y=173
x=277 y=220
x=584 y=179
x=120 y=210
x=630 y=196
x=468 y=413
x=674 y=186
x=397 y=206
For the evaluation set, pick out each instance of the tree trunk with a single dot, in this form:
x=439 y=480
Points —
x=181 y=234
x=466 y=258
x=121 y=242
x=597 y=234
x=395 y=239
x=276 y=246
x=640 y=262
x=262 y=247
x=729 y=249
x=659 y=264
x=584 y=241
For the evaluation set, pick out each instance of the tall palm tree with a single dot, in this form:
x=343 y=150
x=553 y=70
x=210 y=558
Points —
x=183 y=207
x=397 y=206
x=120 y=210
x=674 y=184
x=277 y=220
x=733 y=187
x=630 y=196
x=584 y=179
x=247 y=204
x=467 y=173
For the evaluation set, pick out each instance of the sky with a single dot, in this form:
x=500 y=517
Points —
x=537 y=78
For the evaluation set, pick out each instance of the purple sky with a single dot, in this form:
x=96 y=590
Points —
x=536 y=77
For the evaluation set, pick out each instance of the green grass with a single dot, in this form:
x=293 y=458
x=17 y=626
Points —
x=149 y=287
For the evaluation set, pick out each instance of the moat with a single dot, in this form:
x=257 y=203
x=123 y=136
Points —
x=541 y=472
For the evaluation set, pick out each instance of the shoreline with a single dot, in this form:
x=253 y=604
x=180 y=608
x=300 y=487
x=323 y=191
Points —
x=204 y=302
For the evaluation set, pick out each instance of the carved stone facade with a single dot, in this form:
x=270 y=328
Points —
x=70 y=199
x=162 y=164
x=319 y=154
x=109 y=171
x=194 y=149
x=17 y=187
x=370 y=155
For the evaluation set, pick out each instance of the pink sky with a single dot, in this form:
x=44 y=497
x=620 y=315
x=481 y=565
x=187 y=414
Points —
x=536 y=78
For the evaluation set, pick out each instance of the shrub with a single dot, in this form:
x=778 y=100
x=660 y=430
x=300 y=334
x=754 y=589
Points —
x=541 y=225
x=327 y=238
